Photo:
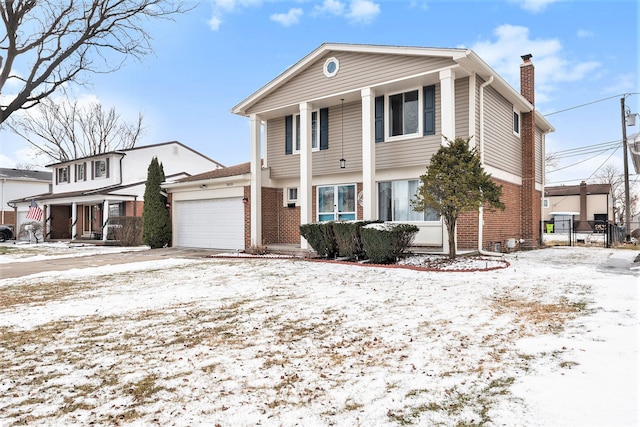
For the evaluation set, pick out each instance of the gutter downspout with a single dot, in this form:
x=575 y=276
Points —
x=481 y=152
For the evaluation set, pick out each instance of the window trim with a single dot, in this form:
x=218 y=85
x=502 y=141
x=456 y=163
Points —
x=336 y=212
x=426 y=114
x=292 y=130
x=516 y=120
x=94 y=169
x=289 y=199
x=60 y=171
x=387 y=115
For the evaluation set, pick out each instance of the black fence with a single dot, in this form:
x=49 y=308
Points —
x=570 y=232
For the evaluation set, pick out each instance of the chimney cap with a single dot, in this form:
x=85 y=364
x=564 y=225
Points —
x=527 y=57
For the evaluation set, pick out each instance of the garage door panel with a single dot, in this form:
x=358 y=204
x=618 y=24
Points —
x=211 y=223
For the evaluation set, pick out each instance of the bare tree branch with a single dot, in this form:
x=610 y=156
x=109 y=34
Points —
x=64 y=39
x=64 y=131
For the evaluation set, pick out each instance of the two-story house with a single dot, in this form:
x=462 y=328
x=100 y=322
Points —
x=87 y=191
x=346 y=132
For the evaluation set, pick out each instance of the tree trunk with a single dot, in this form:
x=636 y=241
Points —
x=451 y=232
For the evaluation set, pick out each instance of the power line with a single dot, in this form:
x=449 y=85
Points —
x=592 y=102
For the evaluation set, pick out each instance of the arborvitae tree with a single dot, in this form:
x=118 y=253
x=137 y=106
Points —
x=454 y=183
x=156 y=224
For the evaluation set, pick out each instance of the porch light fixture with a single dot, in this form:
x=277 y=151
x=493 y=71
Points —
x=343 y=162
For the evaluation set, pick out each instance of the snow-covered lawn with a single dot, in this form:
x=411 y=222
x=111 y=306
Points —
x=551 y=340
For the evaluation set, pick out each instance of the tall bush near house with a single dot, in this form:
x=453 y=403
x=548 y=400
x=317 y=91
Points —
x=321 y=238
x=348 y=238
x=156 y=223
x=386 y=243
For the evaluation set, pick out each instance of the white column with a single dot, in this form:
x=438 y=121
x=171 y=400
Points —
x=306 y=189
x=74 y=220
x=256 y=182
x=368 y=155
x=105 y=220
x=447 y=105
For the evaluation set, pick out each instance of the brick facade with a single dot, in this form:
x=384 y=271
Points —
x=499 y=226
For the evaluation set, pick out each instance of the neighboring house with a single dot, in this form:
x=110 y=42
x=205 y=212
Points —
x=17 y=184
x=348 y=130
x=86 y=192
x=584 y=205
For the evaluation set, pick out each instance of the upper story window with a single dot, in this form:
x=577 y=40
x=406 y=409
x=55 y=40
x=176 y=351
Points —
x=101 y=168
x=319 y=131
x=516 y=123
x=315 y=135
x=405 y=114
x=80 y=172
x=63 y=175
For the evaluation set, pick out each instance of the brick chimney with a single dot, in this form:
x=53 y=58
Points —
x=530 y=199
x=583 y=224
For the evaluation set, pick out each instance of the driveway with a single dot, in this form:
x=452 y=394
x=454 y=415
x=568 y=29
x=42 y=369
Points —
x=24 y=268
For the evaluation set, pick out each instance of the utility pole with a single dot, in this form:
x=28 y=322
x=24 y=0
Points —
x=627 y=207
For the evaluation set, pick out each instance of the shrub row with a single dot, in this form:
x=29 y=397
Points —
x=379 y=242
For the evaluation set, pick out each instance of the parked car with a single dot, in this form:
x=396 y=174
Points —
x=6 y=233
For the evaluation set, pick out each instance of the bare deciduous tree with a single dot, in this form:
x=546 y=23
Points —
x=55 y=42
x=612 y=176
x=66 y=130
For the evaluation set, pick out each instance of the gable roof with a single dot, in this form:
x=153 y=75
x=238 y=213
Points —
x=141 y=147
x=234 y=170
x=25 y=175
x=467 y=60
x=574 y=190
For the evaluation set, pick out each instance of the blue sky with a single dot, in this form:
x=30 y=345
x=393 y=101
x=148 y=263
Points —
x=208 y=60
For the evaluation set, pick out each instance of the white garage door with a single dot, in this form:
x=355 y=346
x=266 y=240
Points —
x=212 y=223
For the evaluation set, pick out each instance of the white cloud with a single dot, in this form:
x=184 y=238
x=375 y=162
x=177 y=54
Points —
x=287 y=19
x=583 y=34
x=331 y=7
x=363 y=11
x=535 y=6
x=553 y=66
x=220 y=7
x=214 y=23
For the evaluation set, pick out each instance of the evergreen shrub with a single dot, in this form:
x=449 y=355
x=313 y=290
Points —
x=386 y=243
x=348 y=239
x=321 y=238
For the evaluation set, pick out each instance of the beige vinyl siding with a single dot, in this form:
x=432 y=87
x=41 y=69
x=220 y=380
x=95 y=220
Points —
x=357 y=70
x=280 y=164
x=502 y=149
x=410 y=152
x=539 y=155
x=323 y=161
x=462 y=108
x=328 y=161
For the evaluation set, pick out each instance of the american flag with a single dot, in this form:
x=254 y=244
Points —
x=35 y=213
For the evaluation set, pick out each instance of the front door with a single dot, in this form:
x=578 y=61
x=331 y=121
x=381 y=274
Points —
x=336 y=202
